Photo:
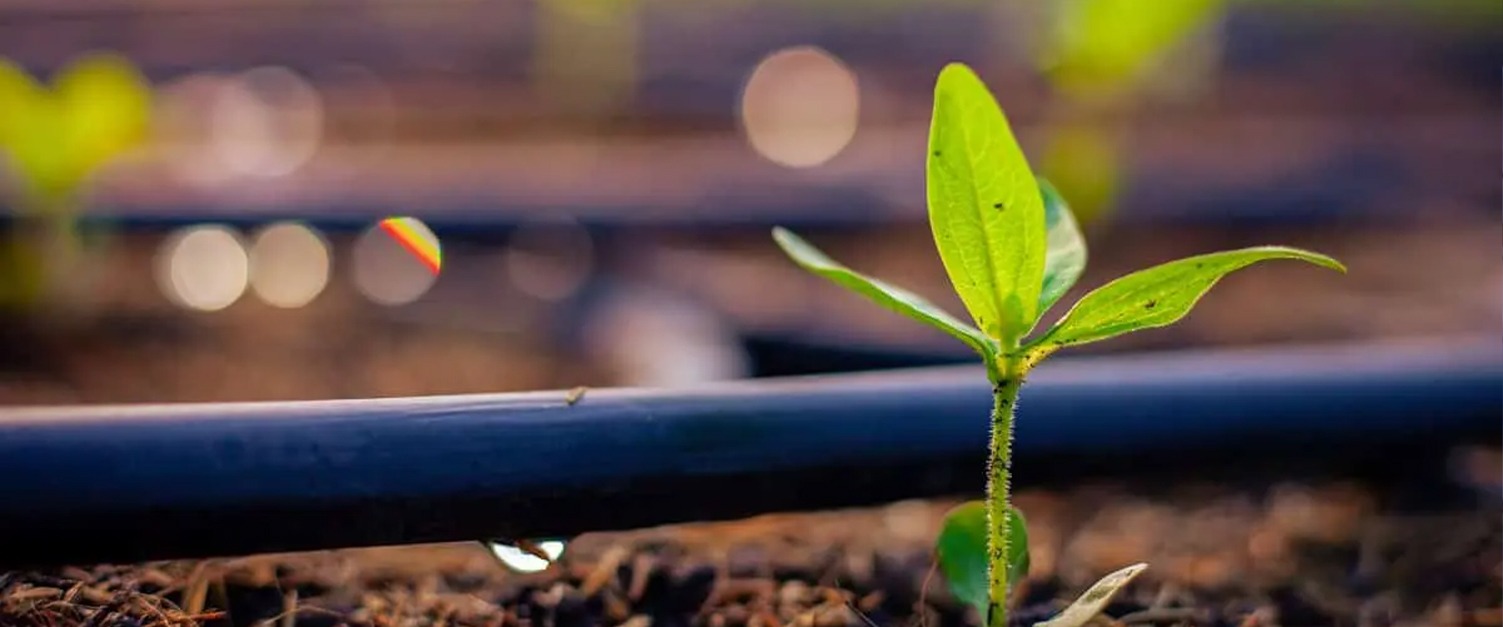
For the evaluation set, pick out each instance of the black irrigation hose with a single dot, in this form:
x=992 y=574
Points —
x=90 y=484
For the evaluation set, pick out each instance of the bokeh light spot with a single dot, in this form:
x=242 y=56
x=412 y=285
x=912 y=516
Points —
x=800 y=107
x=184 y=125
x=657 y=338
x=549 y=261
x=204 y=268
x=267 y=122
x=289 y=265
x=396 y=261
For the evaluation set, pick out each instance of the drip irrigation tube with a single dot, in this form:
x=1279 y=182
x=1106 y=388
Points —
x=124 y=483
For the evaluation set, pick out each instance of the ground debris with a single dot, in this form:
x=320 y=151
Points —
x=1284 y=557
x=39 y=600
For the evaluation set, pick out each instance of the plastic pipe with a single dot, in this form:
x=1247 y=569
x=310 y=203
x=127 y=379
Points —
x=127 y=483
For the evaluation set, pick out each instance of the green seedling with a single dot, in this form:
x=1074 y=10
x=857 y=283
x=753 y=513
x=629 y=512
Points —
x=1011 y=250
x=1102 y=58
x=53 y=139
x=1095 y=49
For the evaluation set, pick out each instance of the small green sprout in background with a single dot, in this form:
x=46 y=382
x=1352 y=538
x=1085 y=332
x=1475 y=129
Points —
x=1011 y=249
x=1103 y=58
x=52 y=140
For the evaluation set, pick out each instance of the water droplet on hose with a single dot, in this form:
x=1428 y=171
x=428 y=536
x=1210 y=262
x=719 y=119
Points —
x=524 y=559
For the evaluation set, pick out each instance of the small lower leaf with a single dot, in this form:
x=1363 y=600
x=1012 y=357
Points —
x=1095 y=598
x=963 y=553
x=889 y=296
x=1017 y=548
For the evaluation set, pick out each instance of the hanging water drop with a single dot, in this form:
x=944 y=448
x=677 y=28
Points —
x=526 y=556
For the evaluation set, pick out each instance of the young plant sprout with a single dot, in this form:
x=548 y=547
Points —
x=1011 y=249
x=53 y=139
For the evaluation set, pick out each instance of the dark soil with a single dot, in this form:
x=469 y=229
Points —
x=1292 y=554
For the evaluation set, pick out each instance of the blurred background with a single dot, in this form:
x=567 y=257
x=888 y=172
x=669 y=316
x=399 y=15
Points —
x=192 y=191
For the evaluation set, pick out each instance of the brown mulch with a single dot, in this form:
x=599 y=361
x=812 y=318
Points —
x=92 y=597
x=1292 y=554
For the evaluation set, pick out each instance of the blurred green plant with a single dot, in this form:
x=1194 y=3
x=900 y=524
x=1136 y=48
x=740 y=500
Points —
x=588 y=51
x=1102 y=49
x=1012 y=249
x=1102 y=56
x=53 y=140
x=1459 y=14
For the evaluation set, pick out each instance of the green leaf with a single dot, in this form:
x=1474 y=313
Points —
x=1066 y=257
x=963 y=553
x=1017 y=547
x=1095 y=598
x=984 y=207
x=889 y=296
x=1161 y=295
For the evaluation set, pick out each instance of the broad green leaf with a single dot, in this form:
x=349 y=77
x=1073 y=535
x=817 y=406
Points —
x=963 y=553
x=1161 y=295
x=1095 y=598
x=1066 y=257
x=984 y=207
x=889 y=296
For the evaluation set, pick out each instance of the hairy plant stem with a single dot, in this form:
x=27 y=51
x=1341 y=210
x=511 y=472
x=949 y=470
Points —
x=1005 y=389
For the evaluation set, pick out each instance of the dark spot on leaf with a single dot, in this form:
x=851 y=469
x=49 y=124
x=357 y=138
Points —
x=1150 y=304
x=936 y=153
x=997 y=205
